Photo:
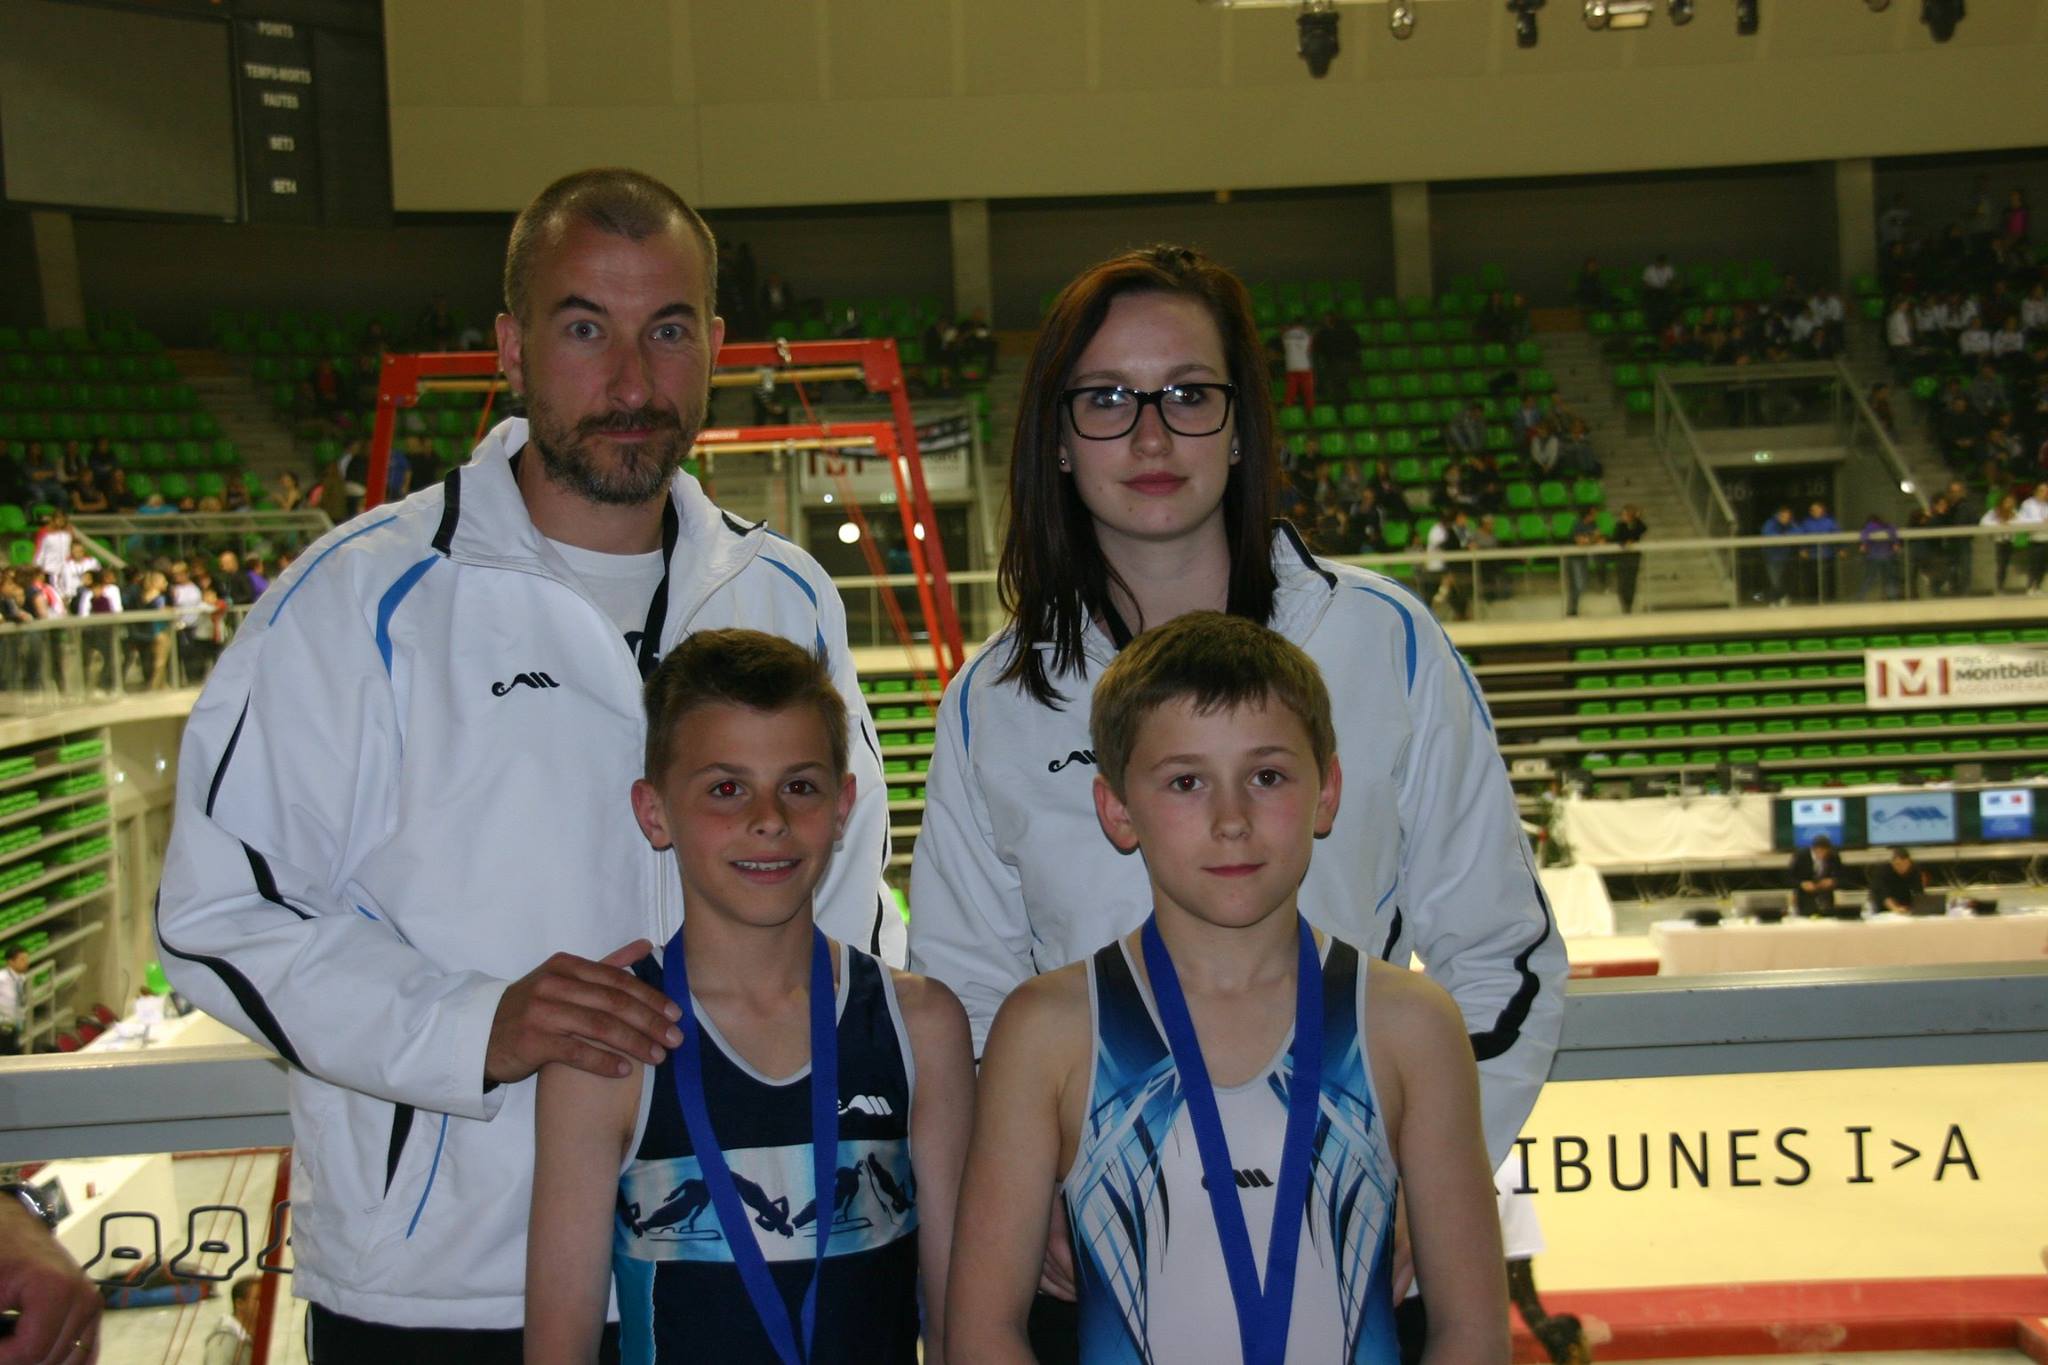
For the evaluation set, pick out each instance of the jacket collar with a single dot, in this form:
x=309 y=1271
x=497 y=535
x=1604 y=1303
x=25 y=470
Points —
x=484 y=521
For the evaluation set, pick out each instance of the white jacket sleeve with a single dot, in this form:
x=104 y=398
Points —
x=853 y=903
x=1471 y=902
x=287 y=775
x=968 y=925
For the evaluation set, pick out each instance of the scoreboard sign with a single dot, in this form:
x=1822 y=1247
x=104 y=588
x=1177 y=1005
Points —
x=275 y=94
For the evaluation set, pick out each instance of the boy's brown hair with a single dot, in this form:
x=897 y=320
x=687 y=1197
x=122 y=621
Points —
x=748 y=668
x=1215 y=661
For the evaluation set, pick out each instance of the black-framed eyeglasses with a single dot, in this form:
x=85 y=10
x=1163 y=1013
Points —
x=1104 y=412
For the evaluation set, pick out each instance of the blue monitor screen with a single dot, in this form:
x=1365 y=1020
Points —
x=2007 y=814
x=1816 y=815
x=1912 y=818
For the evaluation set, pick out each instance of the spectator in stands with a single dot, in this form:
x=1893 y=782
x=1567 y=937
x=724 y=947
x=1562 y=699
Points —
x=1957 y=549
x=1898 y=331
x=288 y=494
x=1629 y=530
x=2003 y=454
x=1895 y=224
x=1895 y=886
x=1333 y=531
x=1443 y=589
x=1575 y=456
x=1959 y=433
x=87 y=497
x=1815 y=874
x=1500 y=317
x=1368 y=523
x=1578 y=568
x=1486 y=574
x=2009 y=342
x=1929 y=325
x=2004 y=515
x=1590 y=291
x=2033 y=513
x=1818 y=561
x=1387 y=492
x=778 y=300
x=1465 y=434
x=1526 y=417
x=1457 y=491
x=230 y=582
x=1880 y=550
x=435 y=330
x=2018 y=220
x=2034 y=309
x=149 y=642
x=44 y=485
x=1778 y=559
x=101 y=460
x=1880 y=401
x=43 y=598
x=74 y=574
x=235 y=493
x=1335 y=351
x=1973 y=343
x=1660 y=292
x=1546 y=452
x=1297 y=349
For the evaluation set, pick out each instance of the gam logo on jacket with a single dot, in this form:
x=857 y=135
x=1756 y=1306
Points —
x=1086 y=756
x=535 y=679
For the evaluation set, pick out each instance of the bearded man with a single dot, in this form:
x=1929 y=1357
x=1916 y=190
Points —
x=404 y=855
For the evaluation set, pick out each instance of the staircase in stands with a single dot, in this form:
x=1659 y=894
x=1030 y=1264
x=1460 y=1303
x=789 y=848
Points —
x=244 y=414
x=1635 y=473
x=1865 y=356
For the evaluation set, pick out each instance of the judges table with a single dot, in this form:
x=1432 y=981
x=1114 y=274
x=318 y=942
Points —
x=1685 y=948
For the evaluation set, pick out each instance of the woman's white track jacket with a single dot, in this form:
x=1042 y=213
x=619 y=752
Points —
x=1012 y=875
x=405 y=786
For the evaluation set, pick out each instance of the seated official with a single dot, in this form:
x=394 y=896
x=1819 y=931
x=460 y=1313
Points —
x=1814 y=874
x=1894 y=886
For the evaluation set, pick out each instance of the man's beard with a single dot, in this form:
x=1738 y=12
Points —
x=636 y=472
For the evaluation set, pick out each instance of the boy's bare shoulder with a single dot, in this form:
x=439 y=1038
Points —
x=1045 y=1014
x=924 y=997
x=1408 y=1007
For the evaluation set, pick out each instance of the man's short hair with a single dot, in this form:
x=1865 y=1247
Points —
x=620 y=202
x=244 y=1288
x=17 y=950
x=1217 y=662
x=1907 y=854
x=749 y=668
x=1822 y=841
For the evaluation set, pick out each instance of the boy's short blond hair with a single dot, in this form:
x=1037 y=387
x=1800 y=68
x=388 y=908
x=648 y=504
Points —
x=748 y=668
x=1215 y=661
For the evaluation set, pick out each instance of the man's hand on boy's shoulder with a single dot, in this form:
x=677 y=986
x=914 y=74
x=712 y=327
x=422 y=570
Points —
x=593 y=1016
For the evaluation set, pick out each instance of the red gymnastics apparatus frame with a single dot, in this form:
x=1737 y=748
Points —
x=871 y=362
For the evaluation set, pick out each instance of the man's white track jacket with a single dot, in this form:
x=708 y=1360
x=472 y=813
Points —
x=1012 y=874
x=404 y=787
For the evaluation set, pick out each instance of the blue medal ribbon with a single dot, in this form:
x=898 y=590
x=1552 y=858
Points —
x=725 y=1196
x=1263 y=1314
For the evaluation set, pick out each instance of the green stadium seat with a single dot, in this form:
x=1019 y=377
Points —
x=1587 y=493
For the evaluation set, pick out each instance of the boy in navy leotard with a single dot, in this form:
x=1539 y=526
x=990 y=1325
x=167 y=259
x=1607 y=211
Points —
x=1226 y=1103
x=781 y=1186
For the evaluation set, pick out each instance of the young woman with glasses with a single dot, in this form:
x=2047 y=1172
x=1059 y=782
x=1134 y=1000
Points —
x=1141 y=487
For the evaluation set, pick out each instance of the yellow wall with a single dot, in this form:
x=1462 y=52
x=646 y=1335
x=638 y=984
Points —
x=777 y=102
x=1924 y=1217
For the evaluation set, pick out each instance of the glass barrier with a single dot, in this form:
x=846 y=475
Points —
x=195 y=535
x=75 y=660
x=1554 y=582
x=1768 y=1163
